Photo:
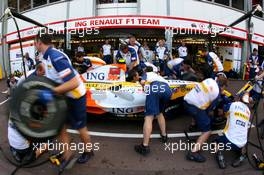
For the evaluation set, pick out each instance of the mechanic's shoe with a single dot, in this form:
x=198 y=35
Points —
x=239 y=161
x=164 y=139
x=141 y=149
x=67 y=164
x=220 y=160
x=85 y=157
x=193 y=128
x=195 y=156
x=15 y=155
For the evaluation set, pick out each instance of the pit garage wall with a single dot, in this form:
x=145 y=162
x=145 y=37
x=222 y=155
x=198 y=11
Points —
x=56 y=12
x=205 y=11
x=157 y=8
x=215 y=13
x=117 y=9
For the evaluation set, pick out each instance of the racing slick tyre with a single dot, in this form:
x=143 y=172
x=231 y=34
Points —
x=35 y=119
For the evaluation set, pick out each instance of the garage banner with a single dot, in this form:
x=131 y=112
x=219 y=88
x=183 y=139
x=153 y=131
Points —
x=178 y=26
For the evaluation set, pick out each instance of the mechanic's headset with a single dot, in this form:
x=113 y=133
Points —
x=36 y=111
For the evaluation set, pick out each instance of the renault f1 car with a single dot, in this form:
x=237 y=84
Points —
x=109 y=92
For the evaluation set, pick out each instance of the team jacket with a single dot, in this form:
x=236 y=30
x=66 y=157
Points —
x=161 y=52
x=254 y=61
x=58 y=68
x=129 y=57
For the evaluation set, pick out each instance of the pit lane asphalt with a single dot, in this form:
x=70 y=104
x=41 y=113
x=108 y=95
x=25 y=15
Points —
x=116 y=155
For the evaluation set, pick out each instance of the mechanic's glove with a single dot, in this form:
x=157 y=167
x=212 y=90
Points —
x=46 y=96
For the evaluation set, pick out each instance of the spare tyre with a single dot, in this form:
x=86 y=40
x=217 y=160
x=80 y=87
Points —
x=34 y=119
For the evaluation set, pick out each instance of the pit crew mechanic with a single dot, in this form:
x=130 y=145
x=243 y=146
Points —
x=216 y=67
x=174 y=66
x=183 y=51
x=187 y=73
x=106 y=52
x=133 y=76
x=58 y=68
x=162 y=54
x=38 y=71
x=83 y=65
x=132 y=42
x=11 y=83
x=199 y=102
x=261 y=75
x=256 y=92
x=254 y=61
x=235 y=131
x=21 y=148
x=127 y=55
x=158 y=94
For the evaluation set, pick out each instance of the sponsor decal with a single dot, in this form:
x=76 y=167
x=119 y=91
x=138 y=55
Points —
x=122 y=110
x=95 y=76
x=114 y=74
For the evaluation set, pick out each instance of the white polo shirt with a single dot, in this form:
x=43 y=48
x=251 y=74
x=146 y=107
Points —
x=152 y=76
x=203 y=94
x=15 y=139
x=106 y=49
x=174 y=62
x=161 y=52
x=236 y=129
x=80 y=49
x=182 y=51
x=217 y=64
